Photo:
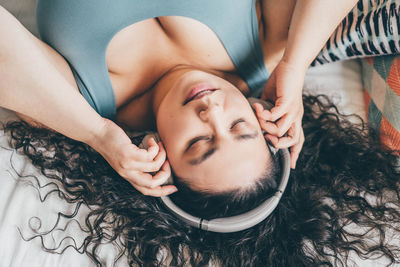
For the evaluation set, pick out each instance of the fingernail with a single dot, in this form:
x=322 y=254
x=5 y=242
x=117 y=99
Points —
x=172 y=190
x=294 y=165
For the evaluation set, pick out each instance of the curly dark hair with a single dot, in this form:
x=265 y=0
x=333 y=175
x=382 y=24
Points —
x=210 y=205
x=343 y=198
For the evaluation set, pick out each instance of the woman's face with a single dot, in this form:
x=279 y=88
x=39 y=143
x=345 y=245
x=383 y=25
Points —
x=211 y=135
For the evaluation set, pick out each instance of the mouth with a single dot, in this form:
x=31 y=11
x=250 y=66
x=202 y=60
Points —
x=198 y=92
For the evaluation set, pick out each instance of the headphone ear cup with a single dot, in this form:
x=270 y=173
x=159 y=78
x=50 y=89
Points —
x=266 y=104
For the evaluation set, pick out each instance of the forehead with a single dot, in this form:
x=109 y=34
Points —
x=233 y=166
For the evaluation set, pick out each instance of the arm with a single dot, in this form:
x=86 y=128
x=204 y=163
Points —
x=35 y=79
x=311 y=24
x=37 y=82
x=276 y=16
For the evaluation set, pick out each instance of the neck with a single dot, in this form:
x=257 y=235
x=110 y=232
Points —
x=165 y=83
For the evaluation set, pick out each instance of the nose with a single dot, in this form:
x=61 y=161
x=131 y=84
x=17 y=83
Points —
x=210 y=109
x=213 y=114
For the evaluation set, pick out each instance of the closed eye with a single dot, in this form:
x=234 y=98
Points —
x=211 y=151
x=242 y=131
x=236 y=122
x=195 y=140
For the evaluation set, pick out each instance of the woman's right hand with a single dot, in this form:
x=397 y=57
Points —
x=145 y=169
x=283 y=123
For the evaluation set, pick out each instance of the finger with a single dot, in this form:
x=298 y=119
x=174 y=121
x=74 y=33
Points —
x=261 y=112
x=259 y=109
x=162 y=176
x=295 y=150
x=162 y=154
x=139 y=178
x=272 y=139
x=152 y=149
x=269 y=127
x=285 y=142
x=134 y=153
x=292 y=138
x=140 y=154
x=159 y=191
x=155 y=164
x=278 y=110
x=284 y=124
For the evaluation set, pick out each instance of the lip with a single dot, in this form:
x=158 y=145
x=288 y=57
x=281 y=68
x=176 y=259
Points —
x=199 y=91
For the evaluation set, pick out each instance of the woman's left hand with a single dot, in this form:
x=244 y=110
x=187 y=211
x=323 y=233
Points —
x=145 y=169
x=283 y=123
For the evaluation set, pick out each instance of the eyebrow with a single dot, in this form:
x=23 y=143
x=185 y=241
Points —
x=213 y=149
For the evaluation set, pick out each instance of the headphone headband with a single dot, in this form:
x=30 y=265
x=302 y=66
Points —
x=242 y=221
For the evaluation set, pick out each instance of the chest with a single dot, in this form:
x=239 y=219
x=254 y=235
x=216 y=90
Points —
x=119 y=50
x=138 y=55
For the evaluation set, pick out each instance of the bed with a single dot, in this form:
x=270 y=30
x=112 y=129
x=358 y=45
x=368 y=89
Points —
x=22 y=210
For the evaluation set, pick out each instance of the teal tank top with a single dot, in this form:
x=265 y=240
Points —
x=81 y=31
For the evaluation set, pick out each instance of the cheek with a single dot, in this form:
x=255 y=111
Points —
x=175 y=128
x=170 y=126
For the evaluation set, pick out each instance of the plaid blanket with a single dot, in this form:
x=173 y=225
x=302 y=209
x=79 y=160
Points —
x=381 y=80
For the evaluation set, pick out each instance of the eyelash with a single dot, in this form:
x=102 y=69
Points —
x=209 y=138
x=237 y=122
x=199 y=139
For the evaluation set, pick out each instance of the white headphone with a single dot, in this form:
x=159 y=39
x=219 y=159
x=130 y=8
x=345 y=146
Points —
x=245 y=220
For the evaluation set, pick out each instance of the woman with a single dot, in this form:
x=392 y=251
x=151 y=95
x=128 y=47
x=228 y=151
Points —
x=342 y=203
x=94 y=49
x=205 y=246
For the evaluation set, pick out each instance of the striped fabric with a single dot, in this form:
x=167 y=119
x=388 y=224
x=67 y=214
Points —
x=372 y=31
x=381 y=80
x=371 y=28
